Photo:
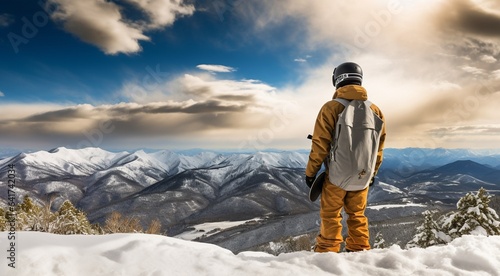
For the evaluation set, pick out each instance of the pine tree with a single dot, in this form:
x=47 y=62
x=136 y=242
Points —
x=473 y=216
x=30 y=216
x=71 y=220
x=154 y=227
x=379 y=242
x=3 y=220
x=116 y=223
x=428 y=233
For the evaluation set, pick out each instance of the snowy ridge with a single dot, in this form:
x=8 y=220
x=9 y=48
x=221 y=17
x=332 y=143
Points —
x=139 y=254
x=89 y=160
x=165 y=184
x=378 y=207
x=93 y=165
x=93 y=178
x=184 y=190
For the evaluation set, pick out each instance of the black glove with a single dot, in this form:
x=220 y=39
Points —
x=310 y=180
x=373 y=181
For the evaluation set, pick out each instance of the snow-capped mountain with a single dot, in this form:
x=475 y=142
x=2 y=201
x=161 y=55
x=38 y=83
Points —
x=175 y=185
x=184 y=189
x=450 y=182
x=410 y=160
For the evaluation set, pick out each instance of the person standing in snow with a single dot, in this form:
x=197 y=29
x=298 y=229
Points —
x=347 y=79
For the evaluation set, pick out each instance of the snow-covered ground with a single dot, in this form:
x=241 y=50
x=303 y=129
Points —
x=140 y=254
x=210 y=228
x=388 y=206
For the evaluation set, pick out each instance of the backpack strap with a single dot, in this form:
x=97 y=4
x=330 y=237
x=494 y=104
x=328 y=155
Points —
x=344 y=102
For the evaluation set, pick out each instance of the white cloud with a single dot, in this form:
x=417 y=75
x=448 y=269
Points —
x=2 y=94
x=418 y=92
x=496 y=74
x=202 y=87
x=300 y=60
x=222 y=112
x=473 y=70
x=102 y=23
x=215 y=68
x=252 y=91
x=163 y=12
x=488 y=59
x=446 y=85
x=466 y=130
x=412 y=90
x=14 y=111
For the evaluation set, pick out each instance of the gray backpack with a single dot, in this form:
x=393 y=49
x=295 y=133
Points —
x=354 y=149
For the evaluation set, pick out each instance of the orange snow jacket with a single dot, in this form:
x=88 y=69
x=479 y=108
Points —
x=325 y=125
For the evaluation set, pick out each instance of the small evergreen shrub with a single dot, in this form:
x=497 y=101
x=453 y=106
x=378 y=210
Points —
x=68 y=220
x=472 y=217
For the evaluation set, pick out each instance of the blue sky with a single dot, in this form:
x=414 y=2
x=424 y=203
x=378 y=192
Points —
x=242 y=74
x=72 y=71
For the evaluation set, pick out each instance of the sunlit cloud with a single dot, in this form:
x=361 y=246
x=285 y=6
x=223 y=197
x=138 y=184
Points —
x=215 y=68
x=162 y=13
x=431 y=66
x=224 y=112
x=103 y=24
x=496 y=74
x=488 y=59
x=473 y=70
x=426 y=64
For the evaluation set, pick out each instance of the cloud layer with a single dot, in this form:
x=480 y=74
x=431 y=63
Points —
x=188 y=108
x=473 y=18
x=431 y=66
x=424 y=61
x=161 y=13
x=103 y=24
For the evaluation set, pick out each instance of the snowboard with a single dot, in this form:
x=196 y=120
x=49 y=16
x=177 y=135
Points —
x=317 y=186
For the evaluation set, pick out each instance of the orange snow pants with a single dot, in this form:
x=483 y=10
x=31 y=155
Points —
x=333 y=199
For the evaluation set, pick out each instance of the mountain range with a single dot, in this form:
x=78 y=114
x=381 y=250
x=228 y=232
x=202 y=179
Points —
x=172 y=185
x=191 y=188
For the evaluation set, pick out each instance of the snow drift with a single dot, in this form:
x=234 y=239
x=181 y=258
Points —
x=141 y=254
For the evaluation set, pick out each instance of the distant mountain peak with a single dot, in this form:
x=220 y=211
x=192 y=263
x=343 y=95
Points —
x=54 y=150
x=466 y=167
x=463 y=164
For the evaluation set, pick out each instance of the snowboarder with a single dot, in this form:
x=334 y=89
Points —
x=347 y=79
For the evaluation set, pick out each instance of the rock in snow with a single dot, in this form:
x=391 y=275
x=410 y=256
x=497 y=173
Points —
x=141 y=254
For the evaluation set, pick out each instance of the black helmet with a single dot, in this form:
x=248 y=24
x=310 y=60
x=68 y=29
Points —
x=347 y=73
